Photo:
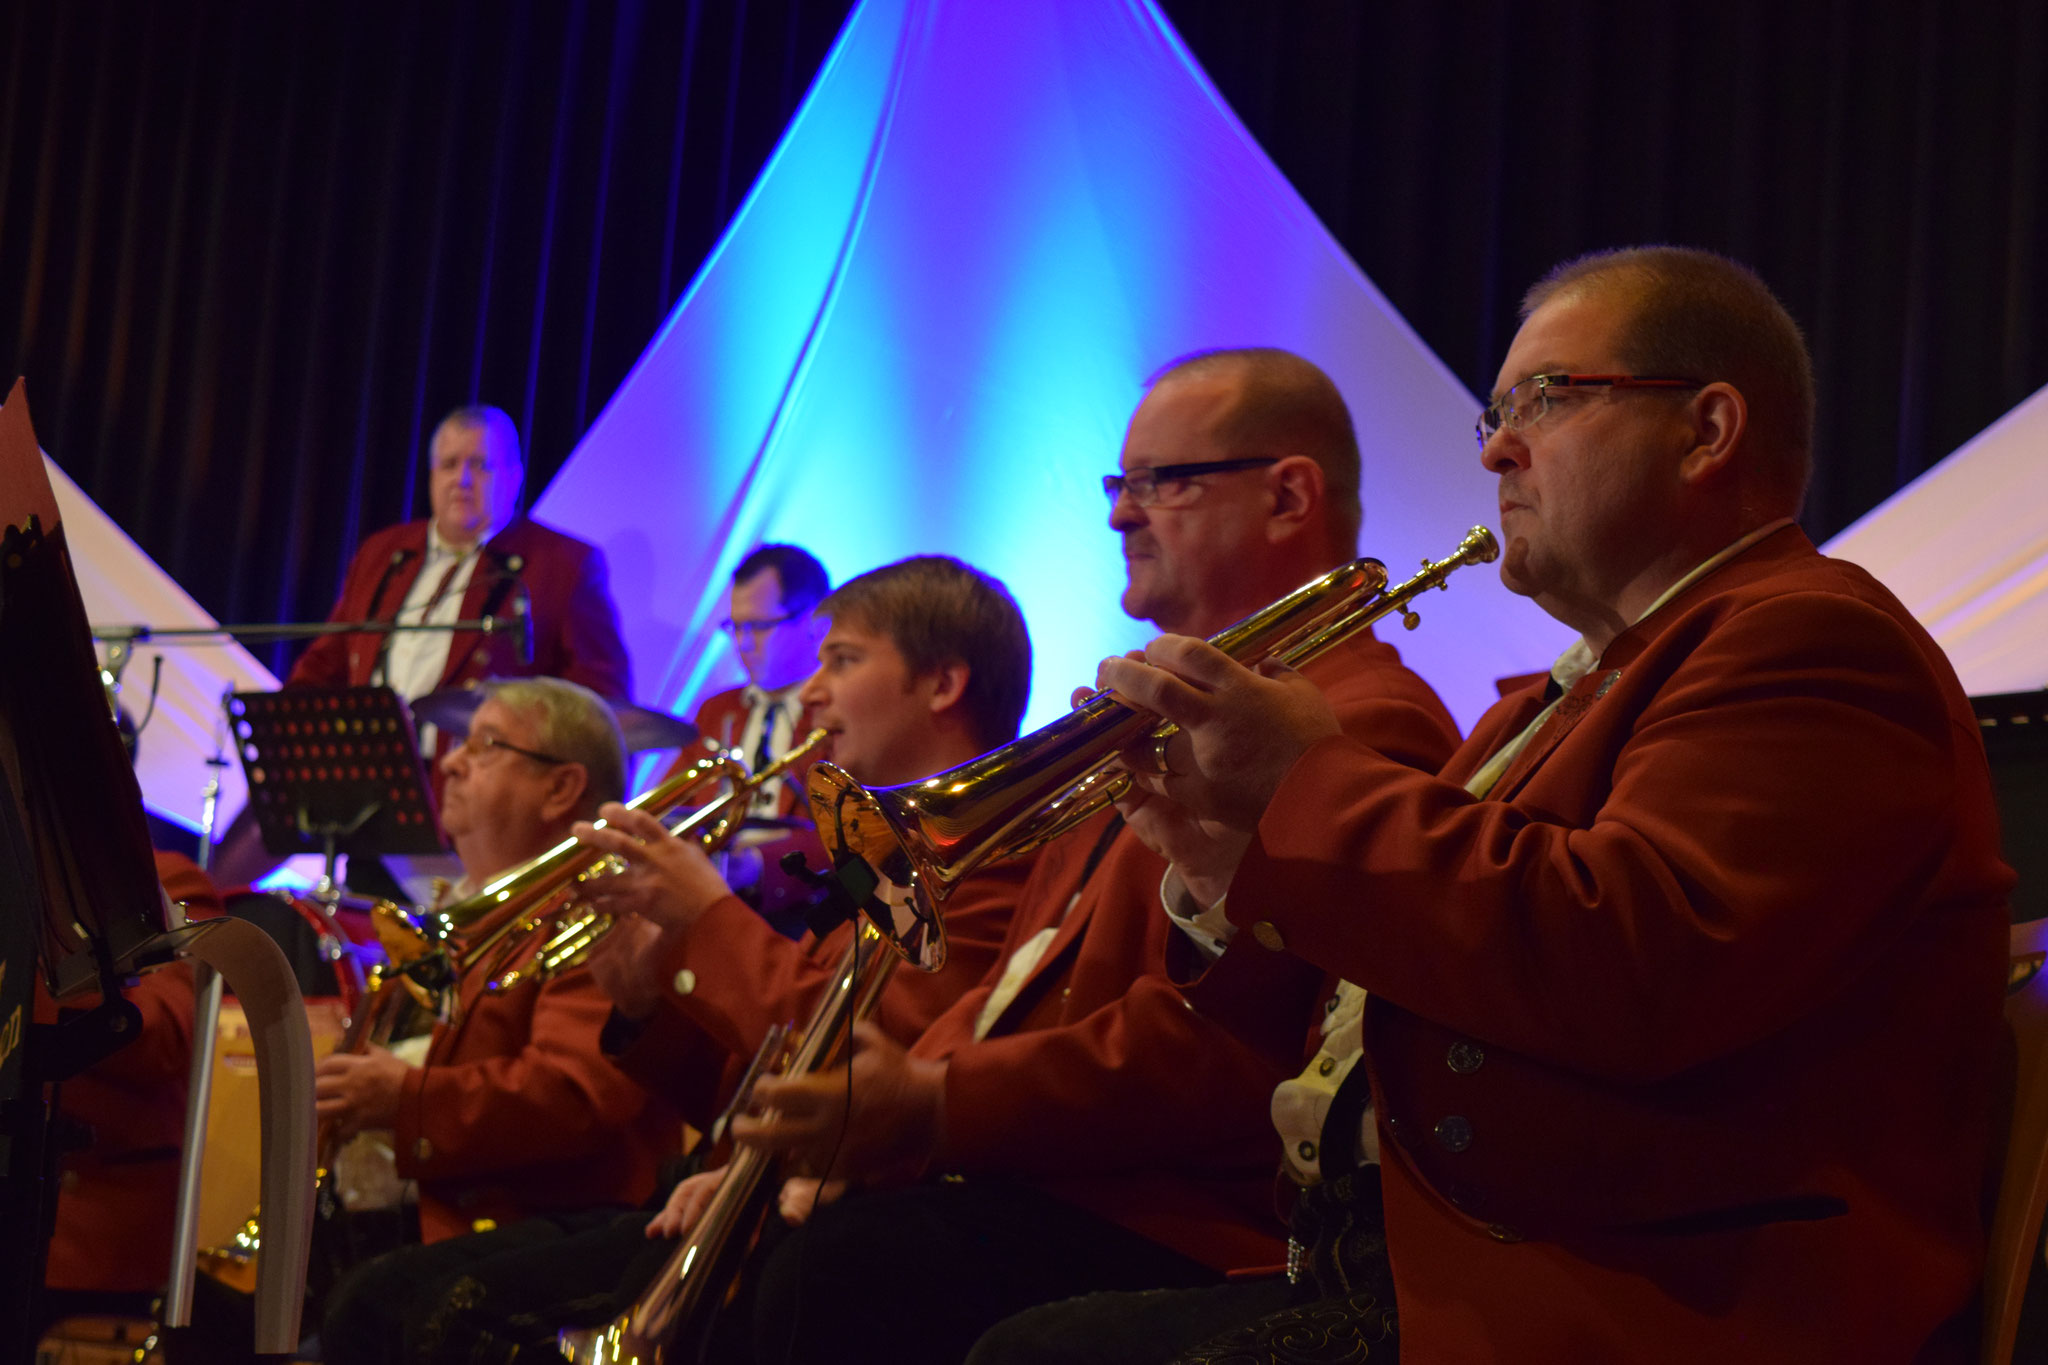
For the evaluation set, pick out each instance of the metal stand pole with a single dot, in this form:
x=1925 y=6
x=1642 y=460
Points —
x=206 y=984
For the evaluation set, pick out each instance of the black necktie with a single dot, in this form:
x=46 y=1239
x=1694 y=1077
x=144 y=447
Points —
x=764 y=752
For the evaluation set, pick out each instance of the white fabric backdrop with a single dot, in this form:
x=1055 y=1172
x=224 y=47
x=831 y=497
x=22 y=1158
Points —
x=123 y=586
x=927 y=325
x=1965 y=546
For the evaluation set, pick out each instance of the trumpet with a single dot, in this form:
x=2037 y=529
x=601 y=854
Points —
x=546 y=929
x=671 y=1319
x=923 y=838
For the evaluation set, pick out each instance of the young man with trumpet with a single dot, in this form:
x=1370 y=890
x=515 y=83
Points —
x=514 y=1108
x=1094 y=1131
x=923 y=665
x=1684 y=1017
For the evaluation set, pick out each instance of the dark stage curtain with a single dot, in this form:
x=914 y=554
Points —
x=1880 y=163
x=250 y=251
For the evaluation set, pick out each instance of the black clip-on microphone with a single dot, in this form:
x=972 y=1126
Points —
x=840 y=893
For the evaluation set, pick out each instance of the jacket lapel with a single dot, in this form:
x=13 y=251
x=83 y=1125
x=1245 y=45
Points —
x=394 y=581
x=1078 y=905
x=491 y=585
x=1571 y=709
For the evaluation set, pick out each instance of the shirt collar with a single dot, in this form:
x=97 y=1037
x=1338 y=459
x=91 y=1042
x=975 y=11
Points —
x=437 y=547
x=757 y=697
x=1579 y=660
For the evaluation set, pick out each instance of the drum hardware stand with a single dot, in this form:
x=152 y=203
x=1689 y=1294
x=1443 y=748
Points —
x=206 y=997
x=209 y=796
x=326 y=892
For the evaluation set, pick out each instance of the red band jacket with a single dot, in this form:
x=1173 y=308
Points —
x=1098 y=1082
x=517 y=1111
x=1685 y=1038
x=732 y=978
x=575 y=628
x=117 y=1198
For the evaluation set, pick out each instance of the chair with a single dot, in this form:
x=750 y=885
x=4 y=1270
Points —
x=2023 y=1185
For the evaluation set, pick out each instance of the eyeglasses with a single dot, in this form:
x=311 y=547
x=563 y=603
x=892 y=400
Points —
x=1527 y=402
x=476 y=745
x=756 y=629
x=1171 y=485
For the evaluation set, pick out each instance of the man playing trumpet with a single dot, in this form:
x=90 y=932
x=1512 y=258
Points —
x=924 y=664
x=1098 y=1133
x=514 y=1108
x=1683 y=1025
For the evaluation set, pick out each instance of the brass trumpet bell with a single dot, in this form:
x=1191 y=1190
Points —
x=546 y=928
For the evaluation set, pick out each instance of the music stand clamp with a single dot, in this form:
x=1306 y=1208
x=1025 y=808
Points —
x=334 y=770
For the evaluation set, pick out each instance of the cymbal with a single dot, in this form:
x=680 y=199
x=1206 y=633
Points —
x=647 y=729
x=450 y=709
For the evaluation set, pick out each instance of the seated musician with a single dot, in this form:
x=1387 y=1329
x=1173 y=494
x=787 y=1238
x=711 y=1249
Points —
x=514 y=1109
x=926 y=664
x=772 y=619
x=474 y=556
x=1684 y=978
x=1093 y=1132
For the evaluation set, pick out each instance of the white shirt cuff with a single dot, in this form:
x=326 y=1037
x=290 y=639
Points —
x=1208 y=928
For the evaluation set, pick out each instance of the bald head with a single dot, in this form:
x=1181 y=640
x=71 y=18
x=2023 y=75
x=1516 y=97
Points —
x=1285 y=405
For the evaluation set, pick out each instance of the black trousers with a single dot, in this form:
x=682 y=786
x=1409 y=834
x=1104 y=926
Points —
x=491 y=1298
x=1255 y=1322
x=912 y=1276
x=1342 y=1311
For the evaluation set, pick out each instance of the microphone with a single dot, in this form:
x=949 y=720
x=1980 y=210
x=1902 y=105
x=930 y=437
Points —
x=522 y=607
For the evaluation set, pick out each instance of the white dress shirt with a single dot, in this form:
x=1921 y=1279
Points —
x=781 y=734
x=416 y=659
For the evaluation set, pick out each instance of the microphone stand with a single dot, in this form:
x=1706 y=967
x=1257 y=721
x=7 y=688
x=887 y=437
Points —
x=121 y=640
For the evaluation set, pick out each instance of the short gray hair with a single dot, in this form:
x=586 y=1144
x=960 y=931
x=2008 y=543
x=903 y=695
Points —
x=1695 y=314
x=573 y=723
x=484 y=415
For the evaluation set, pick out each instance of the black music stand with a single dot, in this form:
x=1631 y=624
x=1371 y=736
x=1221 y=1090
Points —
x=334 y=770
x=79 y=900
